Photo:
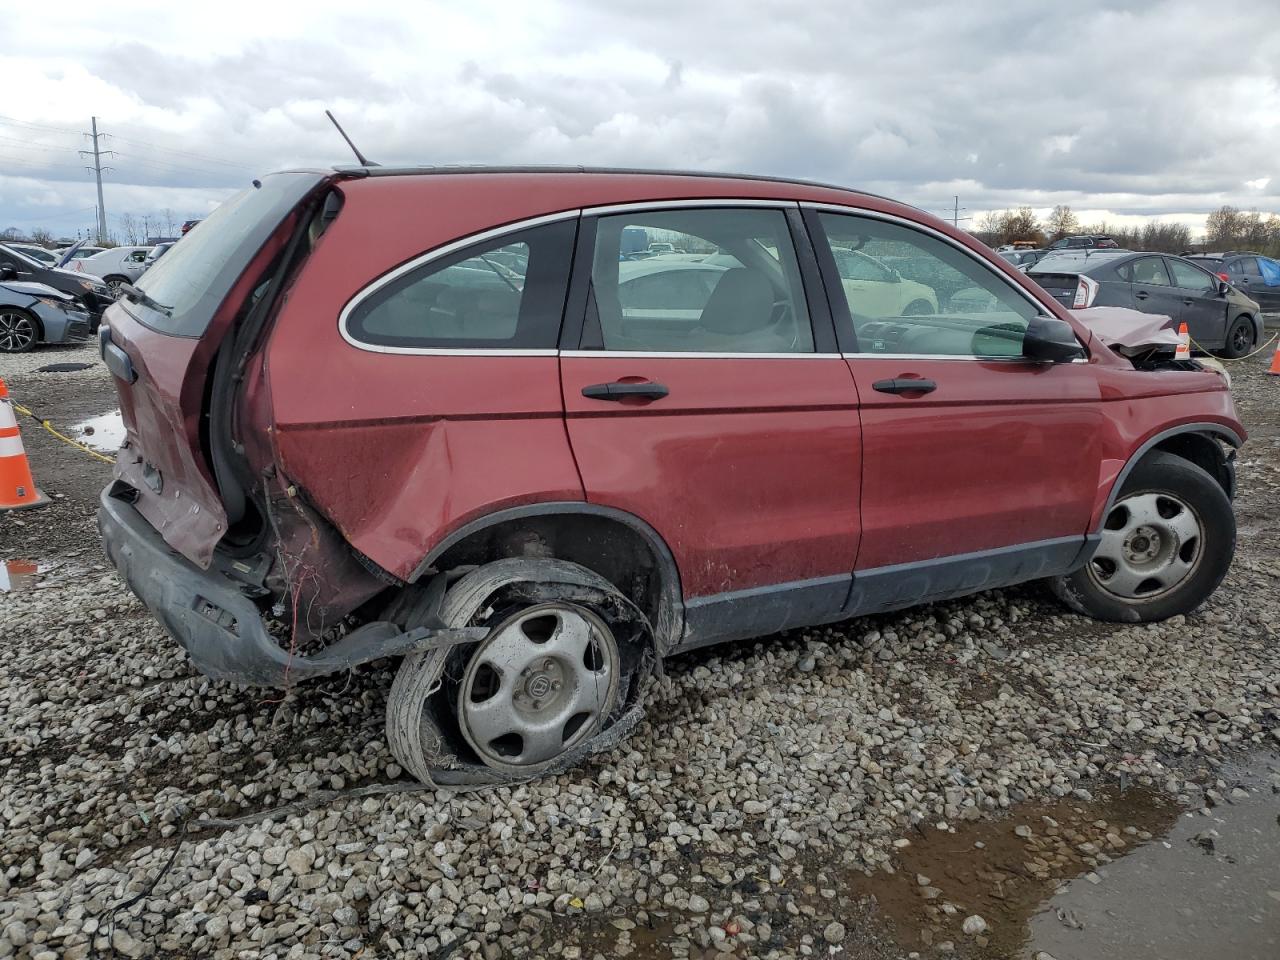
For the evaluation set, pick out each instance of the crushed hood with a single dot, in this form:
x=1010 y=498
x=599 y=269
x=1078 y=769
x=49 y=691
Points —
x=1127 y=331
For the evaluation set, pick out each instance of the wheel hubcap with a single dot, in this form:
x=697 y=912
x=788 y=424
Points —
x=16 y=332
x=1150 y=543
x=540 y=683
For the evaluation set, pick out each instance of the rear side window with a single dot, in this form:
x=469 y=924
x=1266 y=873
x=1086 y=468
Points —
x=1149 y=271
x=1249 y=266
x=924 y=297
x=726 y=281
x=504 y=293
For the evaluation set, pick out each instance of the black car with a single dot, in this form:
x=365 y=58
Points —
x=1251 y=273
x=1218 y=316
x=1023 y=258
x=90 y=293
x=1085 y=241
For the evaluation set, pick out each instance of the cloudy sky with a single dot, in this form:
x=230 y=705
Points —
x=1118 y=109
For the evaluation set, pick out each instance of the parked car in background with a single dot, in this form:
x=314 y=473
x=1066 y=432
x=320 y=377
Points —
x=1254 y=275
x=1023 y=259
x=33 y=313
x=115 y=266
x=1218 y=316
x=77 y=251
x=535 y=484
x=36 y=252
x=187 y=225
x=156 y=252
x=1085 y=240
x=90 y=293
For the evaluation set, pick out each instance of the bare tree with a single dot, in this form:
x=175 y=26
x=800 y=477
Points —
x=1061 y=223
x=41 y=236
x=129 y=227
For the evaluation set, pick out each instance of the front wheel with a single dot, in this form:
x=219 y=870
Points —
x=1240 y=338
x=1166 y=545
x=18 y=330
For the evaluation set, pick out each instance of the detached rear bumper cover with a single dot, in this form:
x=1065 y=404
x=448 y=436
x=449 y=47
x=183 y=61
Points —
x=220 y=628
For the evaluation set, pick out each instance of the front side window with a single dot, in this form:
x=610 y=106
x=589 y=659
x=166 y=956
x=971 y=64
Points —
x=726 y=281
x=505 y=293
x=926 y=296
x=1150 y=272
x=1189 y=277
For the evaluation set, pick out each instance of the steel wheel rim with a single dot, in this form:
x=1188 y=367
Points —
x=539 y=684
x=1241 y=341
x=16 y=332
x=1151 y=543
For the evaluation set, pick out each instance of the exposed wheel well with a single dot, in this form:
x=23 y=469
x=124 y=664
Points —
x=1204 y=451
x=627 y=554
x=115 y=276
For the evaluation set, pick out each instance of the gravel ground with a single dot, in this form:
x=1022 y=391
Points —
x=741 y=819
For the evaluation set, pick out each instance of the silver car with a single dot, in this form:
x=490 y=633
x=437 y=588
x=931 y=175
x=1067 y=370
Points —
x=32 y=313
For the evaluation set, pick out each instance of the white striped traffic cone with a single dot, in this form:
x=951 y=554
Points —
x=1184 y=343
x=17 y=488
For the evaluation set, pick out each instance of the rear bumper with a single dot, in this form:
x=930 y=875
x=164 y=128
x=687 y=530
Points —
x=218 y=626
x=222 y=630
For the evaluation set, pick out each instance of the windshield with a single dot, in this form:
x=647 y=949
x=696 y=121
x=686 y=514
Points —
x=22 y=256
x=191 y=279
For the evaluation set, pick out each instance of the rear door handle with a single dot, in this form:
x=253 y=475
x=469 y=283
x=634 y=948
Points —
x=904 y=385
x=1187 y=302
x=620 y=390
x=1142 y=295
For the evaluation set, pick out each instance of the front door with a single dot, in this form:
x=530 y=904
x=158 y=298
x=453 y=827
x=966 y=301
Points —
x=1152 y=288
x=704 y=395
x=979 y=467
x=1202 y=308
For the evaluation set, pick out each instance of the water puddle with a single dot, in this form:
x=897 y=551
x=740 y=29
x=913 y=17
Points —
x=103 y=433
x=1002 y=871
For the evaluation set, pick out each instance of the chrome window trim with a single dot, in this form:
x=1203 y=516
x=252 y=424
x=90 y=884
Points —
x=437 y=253
x=694 y=355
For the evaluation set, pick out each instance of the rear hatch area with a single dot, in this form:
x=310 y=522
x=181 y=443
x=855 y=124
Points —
x=161 y=342
x=1061 y=286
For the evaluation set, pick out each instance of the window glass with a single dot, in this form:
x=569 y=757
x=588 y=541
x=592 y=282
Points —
x=925 y=297
x=713 y=280
x=1189 y=277
x=506 y=293
x=1150 y=271
x=1249 y=266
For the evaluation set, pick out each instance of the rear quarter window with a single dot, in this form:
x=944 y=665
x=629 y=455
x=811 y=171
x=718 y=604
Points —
x=504 y=293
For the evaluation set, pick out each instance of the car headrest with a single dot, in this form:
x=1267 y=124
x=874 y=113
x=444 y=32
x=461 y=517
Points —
x=742 y=302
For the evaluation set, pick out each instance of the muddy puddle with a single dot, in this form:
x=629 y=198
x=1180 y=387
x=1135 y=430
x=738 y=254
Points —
x=1127 y=874
x=103 y=433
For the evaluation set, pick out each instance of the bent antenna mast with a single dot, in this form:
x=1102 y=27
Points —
x=364 y=161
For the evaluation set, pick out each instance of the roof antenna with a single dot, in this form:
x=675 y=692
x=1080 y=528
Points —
x=364 y=162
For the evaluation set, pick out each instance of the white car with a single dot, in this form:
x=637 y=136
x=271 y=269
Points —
x=115 y=266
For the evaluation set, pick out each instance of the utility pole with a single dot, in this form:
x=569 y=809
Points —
x=955 y=215
x=97 y=169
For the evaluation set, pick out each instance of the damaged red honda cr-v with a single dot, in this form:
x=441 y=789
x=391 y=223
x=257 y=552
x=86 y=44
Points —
x=533 y=431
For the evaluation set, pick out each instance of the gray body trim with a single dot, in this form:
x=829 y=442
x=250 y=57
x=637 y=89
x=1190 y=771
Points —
x=1213 y=429
x=757 y=612
x=670 y=626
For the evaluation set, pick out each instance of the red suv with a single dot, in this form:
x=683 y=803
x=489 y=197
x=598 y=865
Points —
x=444 y=415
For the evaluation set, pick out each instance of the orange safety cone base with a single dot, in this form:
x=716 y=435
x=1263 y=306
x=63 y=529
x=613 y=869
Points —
x=39 y=500
x=1275 y=362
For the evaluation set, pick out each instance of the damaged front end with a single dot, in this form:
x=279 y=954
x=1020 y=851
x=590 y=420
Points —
x=1149 y=341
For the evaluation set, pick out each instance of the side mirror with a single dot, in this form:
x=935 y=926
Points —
x=7 y=272
x=1050 y=340
x=1223 y=287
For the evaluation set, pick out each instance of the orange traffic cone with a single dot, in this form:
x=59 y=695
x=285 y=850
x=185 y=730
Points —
x=1275 y=361
x=17 y=488
x=1184 y=343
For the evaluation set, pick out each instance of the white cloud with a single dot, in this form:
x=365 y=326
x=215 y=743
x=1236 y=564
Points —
x=1003 y=104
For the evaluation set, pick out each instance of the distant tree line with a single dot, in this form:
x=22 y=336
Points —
x=1227 y=228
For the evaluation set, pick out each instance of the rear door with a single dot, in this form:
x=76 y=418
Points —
x=986 y=472
x=1247 y=275
x=1203 y=310
x=727 y=421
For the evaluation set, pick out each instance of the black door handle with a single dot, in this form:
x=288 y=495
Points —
x=1188 y=302
x=1141 y=295
x=904 y=385
x=619 y=390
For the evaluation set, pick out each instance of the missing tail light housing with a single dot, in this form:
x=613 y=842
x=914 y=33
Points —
x=1086 y=290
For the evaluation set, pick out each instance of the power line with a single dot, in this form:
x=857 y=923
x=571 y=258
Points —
x=183 y=153
x=38 y=126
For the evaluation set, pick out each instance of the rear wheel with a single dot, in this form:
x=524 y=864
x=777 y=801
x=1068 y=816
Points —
x=538 y=693
x=19 y=330
x=918 y=308
x=1166 y=544
x=114 y=284
x=1240 y=338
